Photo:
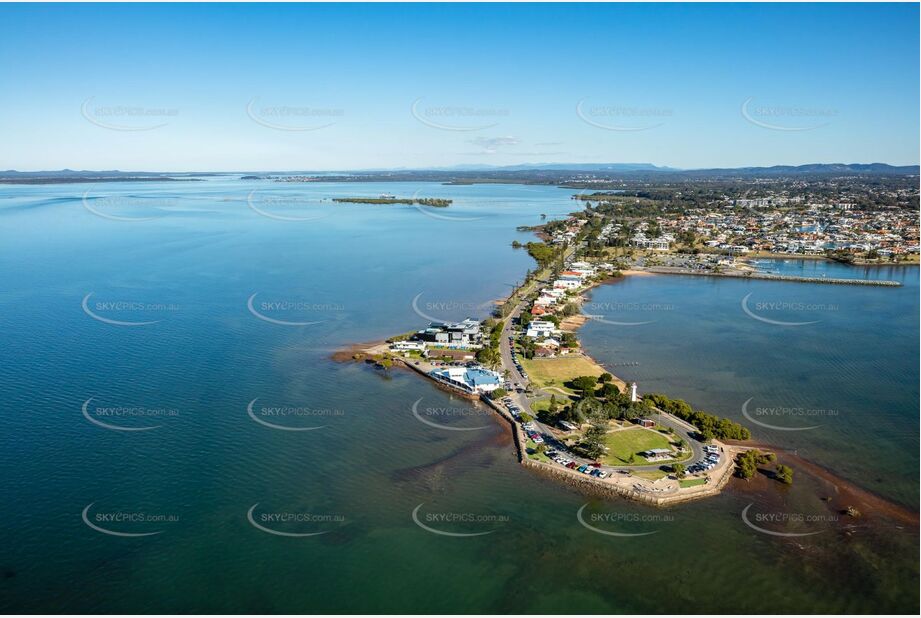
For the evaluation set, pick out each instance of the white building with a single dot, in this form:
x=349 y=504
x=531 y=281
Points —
x=474 y=380
x=541 y=329
x=567 y=284
x=656 y=244
x=408 y=346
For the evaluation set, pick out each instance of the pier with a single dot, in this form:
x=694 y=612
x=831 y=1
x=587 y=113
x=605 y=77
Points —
x=671 y=270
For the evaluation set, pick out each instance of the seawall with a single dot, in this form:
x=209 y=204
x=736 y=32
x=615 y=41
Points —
x=671 y=270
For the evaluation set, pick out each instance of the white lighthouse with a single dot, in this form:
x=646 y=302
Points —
x=633 y=391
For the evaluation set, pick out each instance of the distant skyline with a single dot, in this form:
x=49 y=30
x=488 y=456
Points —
x=213 y=87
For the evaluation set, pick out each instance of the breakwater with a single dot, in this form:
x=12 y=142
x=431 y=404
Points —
x=671 y=270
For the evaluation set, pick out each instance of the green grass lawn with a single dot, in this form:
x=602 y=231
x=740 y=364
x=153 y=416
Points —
x=692 y=482
x=530 y=446
x=557 y=371
x=625 y=442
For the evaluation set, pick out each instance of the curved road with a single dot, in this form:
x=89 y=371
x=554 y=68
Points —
x=681 y=428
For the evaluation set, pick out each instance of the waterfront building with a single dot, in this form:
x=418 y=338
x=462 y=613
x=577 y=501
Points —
x=567 y=284
x=467 y=333
x=408 y=346
x=541 y=329
x=473 y=380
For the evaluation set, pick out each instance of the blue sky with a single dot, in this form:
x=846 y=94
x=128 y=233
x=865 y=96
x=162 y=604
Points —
x=312 y=87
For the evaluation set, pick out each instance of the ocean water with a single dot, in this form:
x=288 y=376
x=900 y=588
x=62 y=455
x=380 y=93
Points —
x=829 y=371
x=125 y=306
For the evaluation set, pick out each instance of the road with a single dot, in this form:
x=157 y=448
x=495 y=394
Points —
x=682 y=429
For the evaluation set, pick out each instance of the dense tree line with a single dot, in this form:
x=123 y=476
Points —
x=709 y=425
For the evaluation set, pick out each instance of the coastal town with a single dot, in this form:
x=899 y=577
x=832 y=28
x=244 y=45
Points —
x=571 y=417
x=842 y=226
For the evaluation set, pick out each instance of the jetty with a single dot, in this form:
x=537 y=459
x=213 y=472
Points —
x=674 y=270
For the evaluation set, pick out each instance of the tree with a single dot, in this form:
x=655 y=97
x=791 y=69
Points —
x=785 y=474
x=605 y=377
x=747 y=464
x=749 y=461
x=592 y=442
x=678 y=469
x=498 y=393
x=489 y=357
x=554 y=405
x=610 y=391
x=569 y=309
x=585 y=384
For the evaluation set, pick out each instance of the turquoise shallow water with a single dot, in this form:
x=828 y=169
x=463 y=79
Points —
x=203 y=251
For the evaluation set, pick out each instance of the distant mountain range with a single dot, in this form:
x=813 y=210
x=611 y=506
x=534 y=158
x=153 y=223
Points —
x=823 y=168
x=587 y=167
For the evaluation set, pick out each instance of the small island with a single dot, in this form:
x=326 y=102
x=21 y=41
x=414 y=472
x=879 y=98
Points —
x=392 y=199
